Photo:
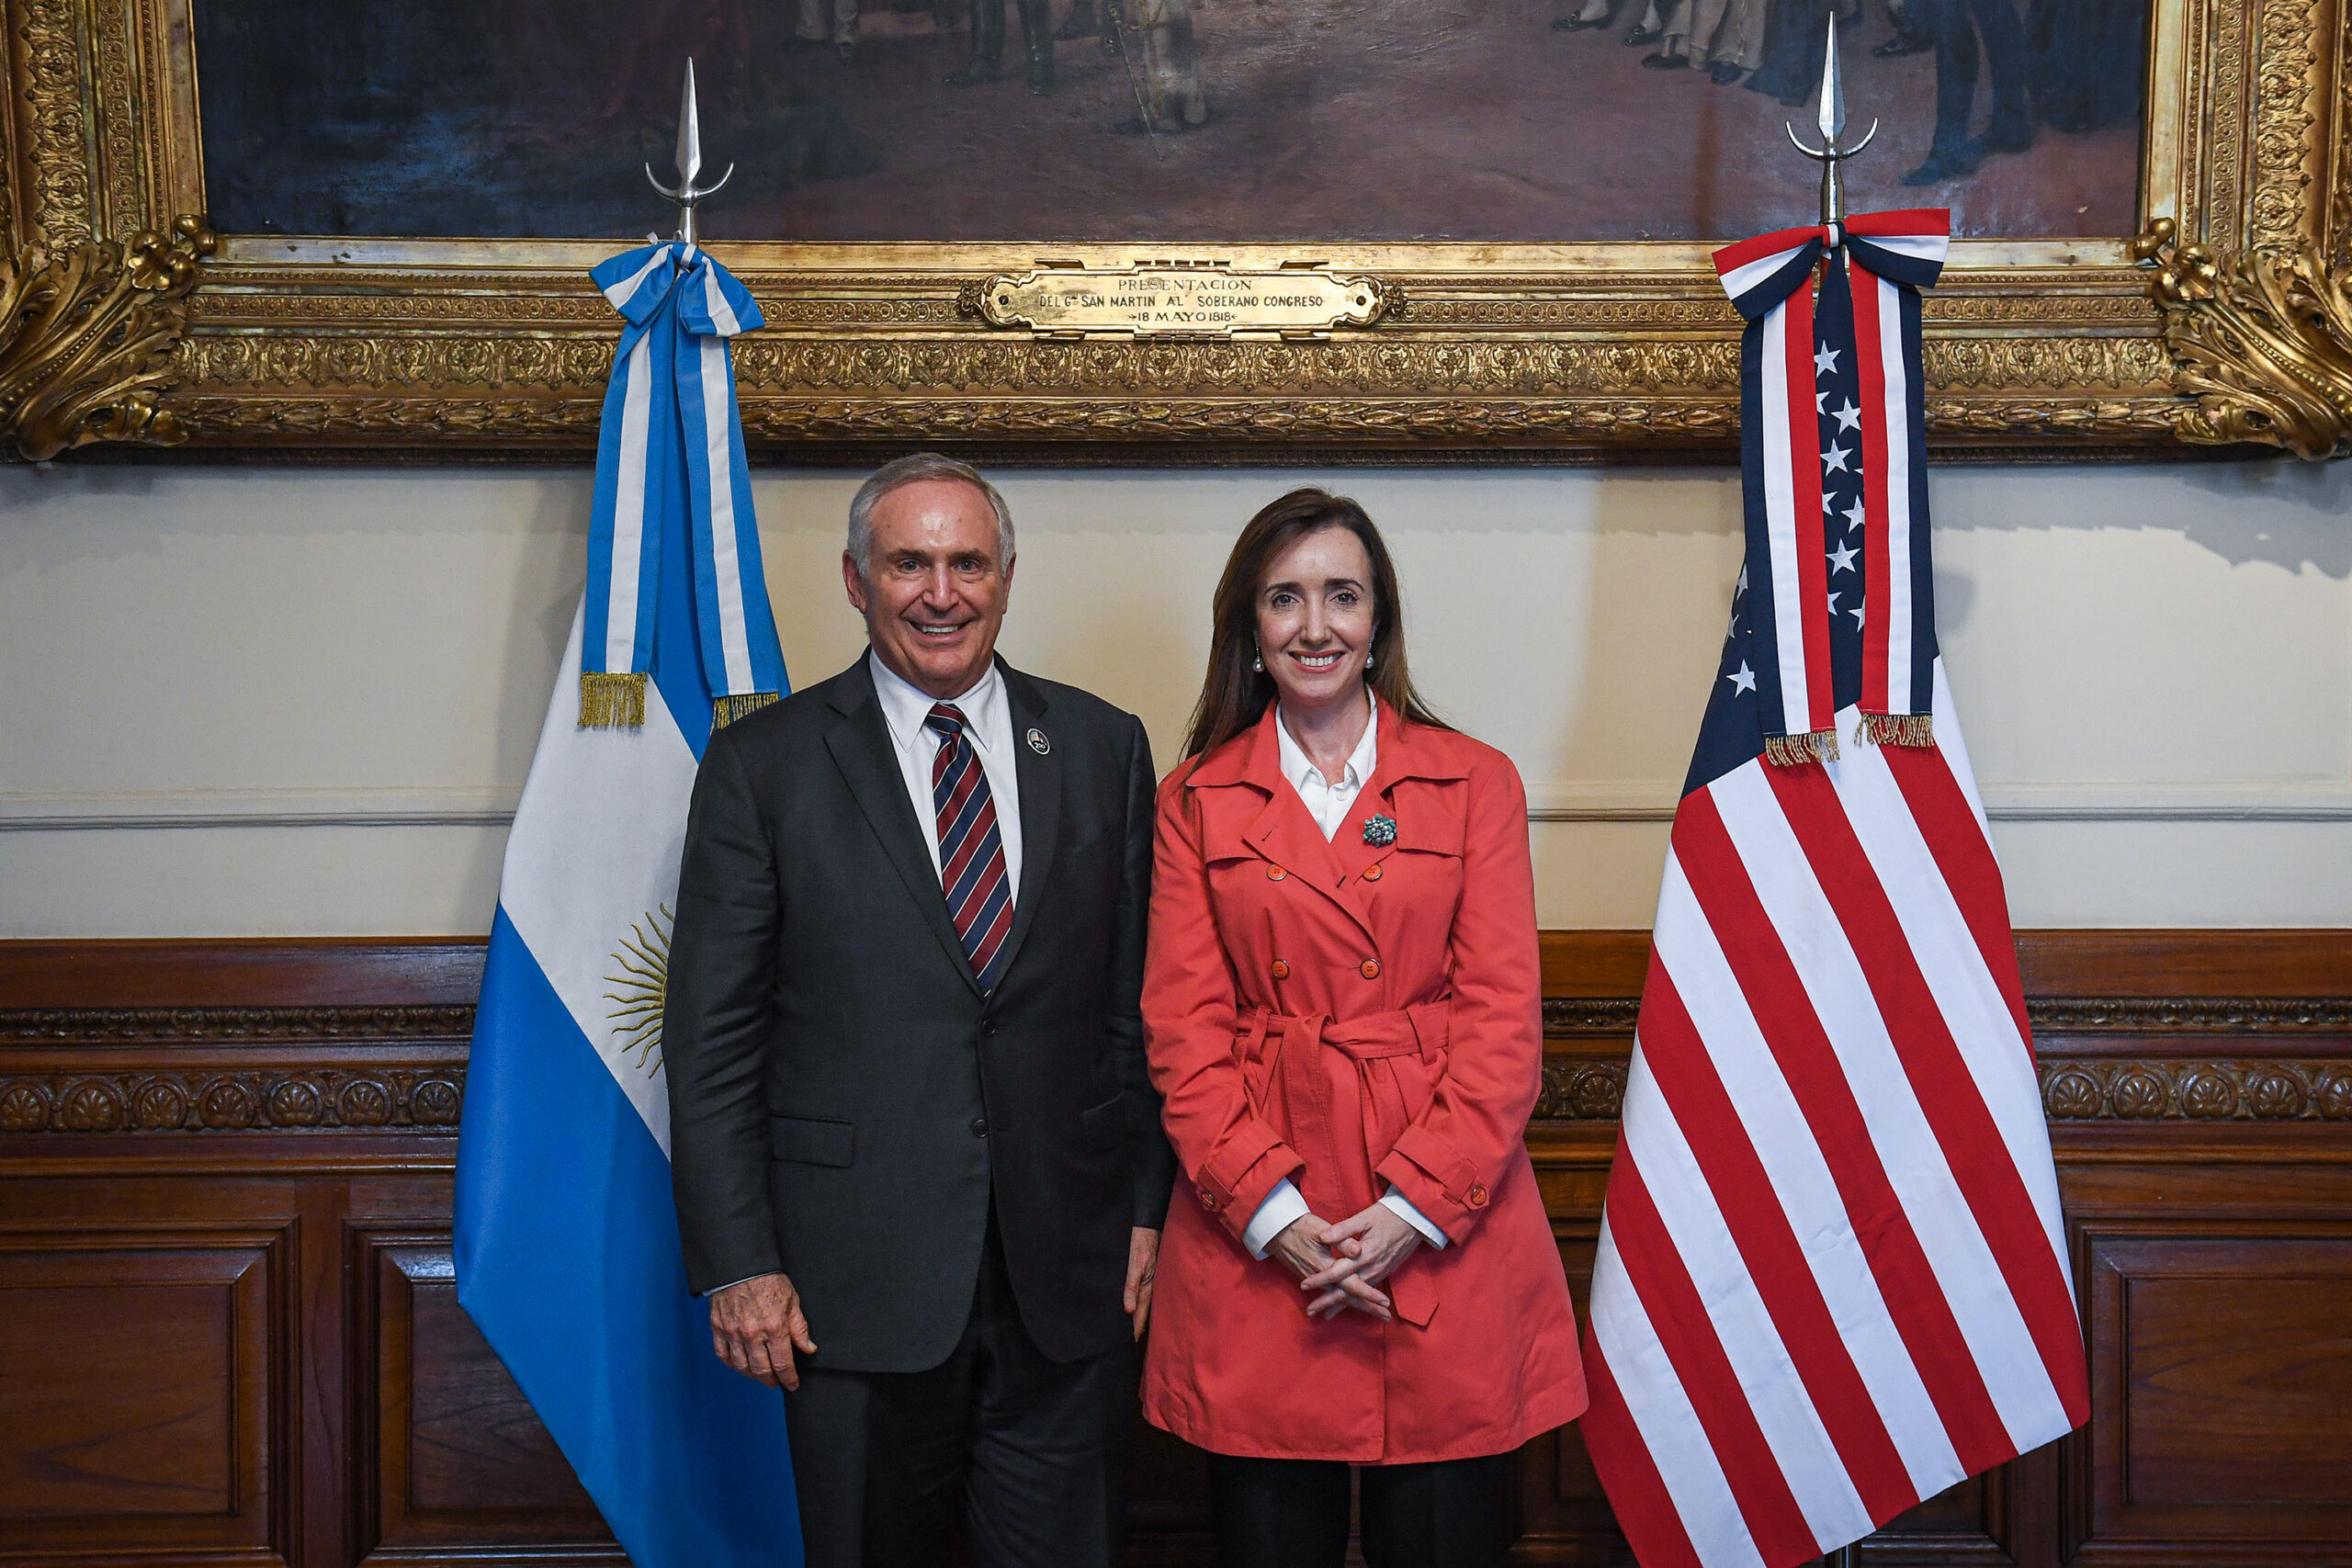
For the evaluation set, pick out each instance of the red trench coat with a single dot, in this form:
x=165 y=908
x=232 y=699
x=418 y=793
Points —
x=1349 y=1015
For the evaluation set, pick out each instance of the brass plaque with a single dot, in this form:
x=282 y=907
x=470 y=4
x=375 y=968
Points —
x=1181 y=298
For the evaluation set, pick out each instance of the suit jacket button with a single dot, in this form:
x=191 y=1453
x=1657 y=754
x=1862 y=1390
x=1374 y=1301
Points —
x=1478 y=1196
x=1372 y=874
x=979 y=1127
x=1275 y=874
x=1370 y=969
x=1282 y=969
x=1208 y=1200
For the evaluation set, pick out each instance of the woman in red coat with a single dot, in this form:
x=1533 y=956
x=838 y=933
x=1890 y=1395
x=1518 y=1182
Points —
x=1343 y=1010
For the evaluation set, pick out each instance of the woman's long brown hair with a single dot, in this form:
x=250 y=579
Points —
x=1234 y=696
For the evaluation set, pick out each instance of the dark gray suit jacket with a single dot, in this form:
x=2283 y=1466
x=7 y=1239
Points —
x=843 y=1100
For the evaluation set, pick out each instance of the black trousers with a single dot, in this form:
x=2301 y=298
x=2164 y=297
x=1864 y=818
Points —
x=1957 y=25
x=1037 y=1449
x=1292 y=1513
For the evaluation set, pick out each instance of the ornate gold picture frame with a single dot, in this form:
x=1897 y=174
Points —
x=126 y=320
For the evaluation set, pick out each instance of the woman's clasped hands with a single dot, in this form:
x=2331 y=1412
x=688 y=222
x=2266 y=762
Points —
x=1340 y=1266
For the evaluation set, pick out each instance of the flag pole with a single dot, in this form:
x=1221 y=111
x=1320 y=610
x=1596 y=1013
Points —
x=689 y=161
x=1831 y=119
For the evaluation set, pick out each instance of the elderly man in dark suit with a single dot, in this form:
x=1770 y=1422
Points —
x=917 y=1155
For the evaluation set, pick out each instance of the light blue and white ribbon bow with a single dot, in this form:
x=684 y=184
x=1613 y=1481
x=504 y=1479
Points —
x=674 y=436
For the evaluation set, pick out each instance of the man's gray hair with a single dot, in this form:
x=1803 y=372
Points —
x=914 y=469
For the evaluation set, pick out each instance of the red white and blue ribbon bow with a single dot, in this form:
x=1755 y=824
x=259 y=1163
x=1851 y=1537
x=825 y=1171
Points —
x=673 y=437
x=1828 y=388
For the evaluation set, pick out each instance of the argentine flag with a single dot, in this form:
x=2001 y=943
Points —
x=567 y=1244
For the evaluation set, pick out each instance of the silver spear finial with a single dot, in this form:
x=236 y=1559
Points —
x=689 y=158
x=1831 y=118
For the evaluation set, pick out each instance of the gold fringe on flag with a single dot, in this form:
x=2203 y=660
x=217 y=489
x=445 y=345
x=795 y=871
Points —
x=1796 y=750
x=611 y=702
x=1898 y=729
x=725 y=711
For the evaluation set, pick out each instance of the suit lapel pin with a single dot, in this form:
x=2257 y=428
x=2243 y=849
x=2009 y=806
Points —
x=1380 y=831
x=1037 y=741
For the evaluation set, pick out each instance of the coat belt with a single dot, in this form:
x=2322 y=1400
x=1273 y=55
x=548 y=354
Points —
x=1296 y=1045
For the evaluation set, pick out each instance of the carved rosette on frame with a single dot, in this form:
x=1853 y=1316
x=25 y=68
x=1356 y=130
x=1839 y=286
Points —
x=1485 y=353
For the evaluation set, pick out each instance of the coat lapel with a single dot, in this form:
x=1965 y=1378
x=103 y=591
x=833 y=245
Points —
x=1039 y=777
x=869 y=764
x=1286 y=832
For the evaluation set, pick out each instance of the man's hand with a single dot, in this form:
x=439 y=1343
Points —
x=755 y=1323
x=1143 y=1266
x=1366 y=1248
x=1301 y=1250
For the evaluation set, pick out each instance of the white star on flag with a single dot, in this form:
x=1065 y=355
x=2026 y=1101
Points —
x=1741 y=678
x=1834 y=460
x=1825 y=362
x=1854 y=514
x=1849 y=417
x=1842 y=558
x=1857 y=613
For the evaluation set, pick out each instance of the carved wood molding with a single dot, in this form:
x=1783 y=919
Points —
x=305 y=1099
x=1570 y=1017
x=2262 y=339
x=43 y=1090
x=2149 y=1090
x=87 y=332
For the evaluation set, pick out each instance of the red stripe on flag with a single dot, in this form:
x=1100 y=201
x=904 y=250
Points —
x=1679 y=1317
x=1678 y=1060
x=1804 y=475
x=1903 y=221
x=1957 y=841
x=1739 y=253
x=1877 y=611
x=1776 y=997
x=1638 y=1493
x=1956 y=1112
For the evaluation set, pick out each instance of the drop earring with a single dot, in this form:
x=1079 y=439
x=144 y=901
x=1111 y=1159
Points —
x=1367 y=664
x=1258 y=663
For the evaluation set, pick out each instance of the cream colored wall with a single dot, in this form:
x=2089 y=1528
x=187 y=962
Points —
x=277 y=701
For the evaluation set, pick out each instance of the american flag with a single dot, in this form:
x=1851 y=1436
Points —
x=1833 y=1278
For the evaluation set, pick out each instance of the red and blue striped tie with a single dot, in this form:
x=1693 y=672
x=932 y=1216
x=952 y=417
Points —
x=971 y=849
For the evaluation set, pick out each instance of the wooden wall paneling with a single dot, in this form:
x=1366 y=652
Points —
x=149 y=1337
x=252 y=1143
x=448 y=1461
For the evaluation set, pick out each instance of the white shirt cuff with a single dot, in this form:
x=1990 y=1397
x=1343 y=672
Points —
x=1282 y=1208
x=1403 y=1208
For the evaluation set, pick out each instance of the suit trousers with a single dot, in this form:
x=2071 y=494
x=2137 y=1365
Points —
x=1038 y=1449
x=1292 y=1513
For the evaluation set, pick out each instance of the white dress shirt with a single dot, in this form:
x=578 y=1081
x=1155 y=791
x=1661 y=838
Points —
x=987 y=719
x=1327 y=800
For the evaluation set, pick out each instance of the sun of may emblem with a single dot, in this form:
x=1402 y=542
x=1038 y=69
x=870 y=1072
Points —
x=641 y=986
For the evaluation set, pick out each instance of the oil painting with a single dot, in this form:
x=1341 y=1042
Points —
x=1225 y=121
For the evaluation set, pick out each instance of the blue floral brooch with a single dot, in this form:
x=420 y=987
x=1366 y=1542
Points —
x=1380 y=831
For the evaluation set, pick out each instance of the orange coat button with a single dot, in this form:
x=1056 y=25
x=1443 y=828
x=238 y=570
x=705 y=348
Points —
x=1372 y=874
x=1371 y=968
x=1282 y=969
x=1477 y=1197
x=1275 y=874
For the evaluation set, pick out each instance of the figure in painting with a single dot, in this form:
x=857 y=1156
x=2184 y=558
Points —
x=812 y=33
x=1166 y=65
x=1723 y=37
x=1957 y=25
x=986 y=64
